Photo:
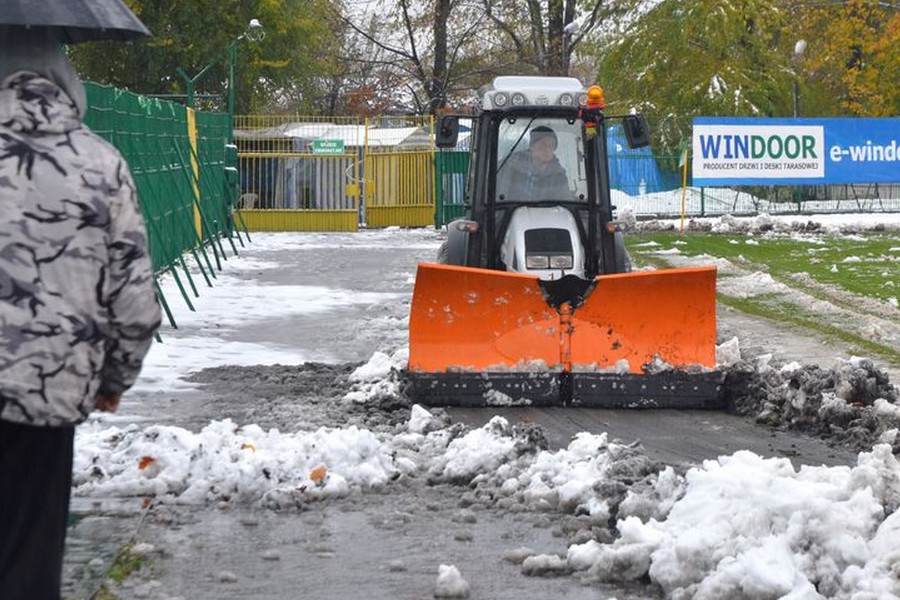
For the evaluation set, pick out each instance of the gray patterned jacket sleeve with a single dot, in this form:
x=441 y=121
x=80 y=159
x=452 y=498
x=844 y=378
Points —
x=77 y=305
x=130 y=278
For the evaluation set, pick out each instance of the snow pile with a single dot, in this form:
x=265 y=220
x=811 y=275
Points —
x=852 y=404
x=378 y=378
x=748 y=286
x=569 y=479
x=757 y=528
x=450 y=583
x=764 y=222
x=690 y=200
x=728 y=353
x=485 y=450
x=224 y=462
x=372 y=436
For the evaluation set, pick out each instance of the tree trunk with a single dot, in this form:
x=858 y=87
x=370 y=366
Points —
x=437 y=92
x=556 y=63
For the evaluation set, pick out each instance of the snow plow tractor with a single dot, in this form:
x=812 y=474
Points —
x=532 y=300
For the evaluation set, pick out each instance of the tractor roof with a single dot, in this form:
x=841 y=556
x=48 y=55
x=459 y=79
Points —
x=514 y=90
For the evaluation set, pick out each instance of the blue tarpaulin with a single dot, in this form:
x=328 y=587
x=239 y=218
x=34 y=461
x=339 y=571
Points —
x=636 y=170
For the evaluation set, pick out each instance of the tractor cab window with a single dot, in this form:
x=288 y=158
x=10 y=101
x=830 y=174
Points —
x=540 y=159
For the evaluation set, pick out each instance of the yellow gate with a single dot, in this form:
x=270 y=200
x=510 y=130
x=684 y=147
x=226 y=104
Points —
x=299 y=174
x=399 y=172
x=334 y=174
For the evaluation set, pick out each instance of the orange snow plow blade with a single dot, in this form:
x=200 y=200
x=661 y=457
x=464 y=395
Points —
x=476 y=319
x=669 y=315
x=479 y=337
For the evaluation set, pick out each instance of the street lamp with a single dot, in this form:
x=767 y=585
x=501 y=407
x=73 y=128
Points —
x=254 y=33
x=799 y=49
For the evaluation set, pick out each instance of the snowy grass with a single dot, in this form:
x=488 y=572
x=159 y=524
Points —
x=844 y=287
x=794 y=315
x=867 y=265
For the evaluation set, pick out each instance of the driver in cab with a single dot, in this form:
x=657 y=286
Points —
x=536 y=173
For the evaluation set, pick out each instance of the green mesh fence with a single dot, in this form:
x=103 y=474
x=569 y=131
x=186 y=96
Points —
x=451 y=168
x=153 y=137
x=650 y=186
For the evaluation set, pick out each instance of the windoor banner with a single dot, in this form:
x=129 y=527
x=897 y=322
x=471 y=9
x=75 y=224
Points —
x=804 y=151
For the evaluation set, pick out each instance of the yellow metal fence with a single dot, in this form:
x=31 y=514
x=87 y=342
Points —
x=334 y=174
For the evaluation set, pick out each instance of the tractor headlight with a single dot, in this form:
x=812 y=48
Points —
x=537 y=261
x=519 y=99
x=548 y=248
x=551 y=261
x=500 y=99
x=561 y=261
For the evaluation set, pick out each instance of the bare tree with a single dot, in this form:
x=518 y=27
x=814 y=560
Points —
x=415 y=46
x=544 y=34
x=431 y=53
x=362 y=79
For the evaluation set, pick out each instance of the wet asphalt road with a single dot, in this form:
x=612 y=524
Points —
x=390 y=547
x=671 y=436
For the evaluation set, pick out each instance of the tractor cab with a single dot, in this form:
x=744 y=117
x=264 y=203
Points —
x=538 y=189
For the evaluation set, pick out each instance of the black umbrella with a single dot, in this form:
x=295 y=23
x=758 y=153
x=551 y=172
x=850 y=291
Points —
x=74 y=20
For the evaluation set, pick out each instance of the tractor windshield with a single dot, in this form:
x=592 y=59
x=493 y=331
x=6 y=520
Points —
x=540 y=160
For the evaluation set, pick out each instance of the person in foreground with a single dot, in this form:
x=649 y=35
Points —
x=78 y=309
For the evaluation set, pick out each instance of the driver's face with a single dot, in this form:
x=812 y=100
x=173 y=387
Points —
x=543 y=150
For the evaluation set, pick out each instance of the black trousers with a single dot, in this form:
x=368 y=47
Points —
x=35 y=486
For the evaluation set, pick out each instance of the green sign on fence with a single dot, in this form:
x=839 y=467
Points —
x=328 y=147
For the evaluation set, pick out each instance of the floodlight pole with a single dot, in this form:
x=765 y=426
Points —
x=232 y=59
x=254 y=33
x=799 y=48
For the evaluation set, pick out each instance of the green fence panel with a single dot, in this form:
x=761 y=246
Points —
x=218 y=197
x=451 y=169
x=146 y=131
x=153 y=137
